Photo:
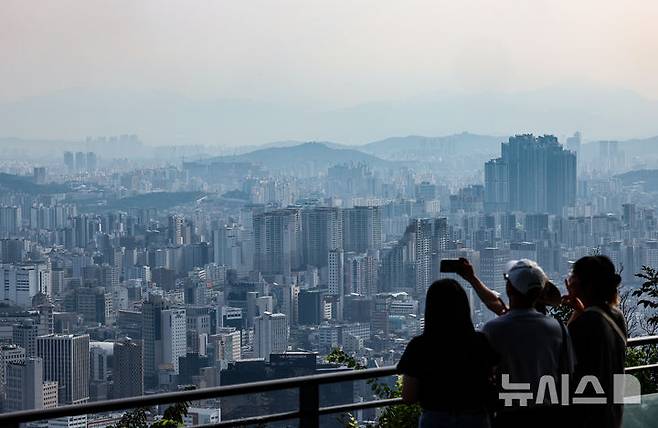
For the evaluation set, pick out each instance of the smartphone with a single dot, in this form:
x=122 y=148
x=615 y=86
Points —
x=451 y=265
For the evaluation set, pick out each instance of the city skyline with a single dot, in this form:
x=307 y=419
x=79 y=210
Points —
x=200 y=199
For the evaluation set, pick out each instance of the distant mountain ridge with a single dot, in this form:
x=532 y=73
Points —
x=419 y=147
x=165 y=118
x=318 y=154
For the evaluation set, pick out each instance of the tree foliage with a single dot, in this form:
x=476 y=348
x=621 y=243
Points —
x=647 y=294
x=401 y=415
x=138 y=418
x=647 y=298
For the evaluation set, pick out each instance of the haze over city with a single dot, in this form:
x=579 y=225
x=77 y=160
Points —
x=234 y=73
x=328 y=214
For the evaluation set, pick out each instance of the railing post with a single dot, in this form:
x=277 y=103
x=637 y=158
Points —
x=309 y=405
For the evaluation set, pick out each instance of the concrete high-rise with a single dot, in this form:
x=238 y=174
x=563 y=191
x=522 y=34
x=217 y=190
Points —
x=533 y=175
x=66 y=361
x=336 y=273
x=69 y=162
x=152 y=336
x=25 y=335
x=174 y=336
x=277 y=236
x=128 y=368
x=362 y=229
x=322 y=229
x=24 y=387
x=270 y=335
x=11 y=221
x=492 y=267
x=9 y=354
x=175 y=228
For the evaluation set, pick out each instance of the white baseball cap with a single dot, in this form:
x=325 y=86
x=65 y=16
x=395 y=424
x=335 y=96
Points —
x=525 y=275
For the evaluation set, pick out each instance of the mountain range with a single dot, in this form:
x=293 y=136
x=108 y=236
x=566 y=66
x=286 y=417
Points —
x=165 y=118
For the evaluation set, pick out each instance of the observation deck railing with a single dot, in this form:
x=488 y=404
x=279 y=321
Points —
x=308 y=412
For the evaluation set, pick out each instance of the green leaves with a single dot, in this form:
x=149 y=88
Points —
x=401 y=415
x=647 y=294
x=138 y=418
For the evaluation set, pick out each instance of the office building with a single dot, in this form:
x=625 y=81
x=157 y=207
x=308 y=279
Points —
x=24 y=385
x=152 y=337
x=174 y=336
x=270 y=335
x=492 y=267
x=9 y=354
x=66 y=361
x=128 y=368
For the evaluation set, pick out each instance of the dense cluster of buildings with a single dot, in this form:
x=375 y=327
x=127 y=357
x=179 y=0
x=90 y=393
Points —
x=265 y=274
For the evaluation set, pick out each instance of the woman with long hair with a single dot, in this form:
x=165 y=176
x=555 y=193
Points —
x=598 y=332
x=448 y=369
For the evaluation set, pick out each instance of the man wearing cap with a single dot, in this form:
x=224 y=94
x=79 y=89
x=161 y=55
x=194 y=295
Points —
x=529 y=343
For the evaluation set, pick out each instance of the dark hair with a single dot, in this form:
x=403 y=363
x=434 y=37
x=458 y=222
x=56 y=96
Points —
x=598 y=279
x=447 y=311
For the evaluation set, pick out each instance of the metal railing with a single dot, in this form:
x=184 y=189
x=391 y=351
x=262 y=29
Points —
x=308 y=412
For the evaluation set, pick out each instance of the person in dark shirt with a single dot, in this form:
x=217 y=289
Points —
x=598 y=332
x=448 y=369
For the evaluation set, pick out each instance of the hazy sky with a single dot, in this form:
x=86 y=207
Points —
x=333 y=52
x=322 y=56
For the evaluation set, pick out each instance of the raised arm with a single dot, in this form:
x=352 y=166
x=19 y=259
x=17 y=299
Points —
x=490 y=298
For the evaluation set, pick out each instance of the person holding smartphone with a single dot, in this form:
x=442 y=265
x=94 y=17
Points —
x=489 y=297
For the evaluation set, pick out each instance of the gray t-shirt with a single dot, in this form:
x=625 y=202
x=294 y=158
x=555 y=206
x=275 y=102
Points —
x=530 y=345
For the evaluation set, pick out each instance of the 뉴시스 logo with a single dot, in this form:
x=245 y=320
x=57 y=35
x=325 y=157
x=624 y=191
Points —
x=626 y=390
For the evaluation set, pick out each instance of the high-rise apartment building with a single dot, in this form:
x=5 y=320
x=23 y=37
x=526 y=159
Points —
x=533 y=174
x=80 y=161
x=69 y=162
x=362 y=229
x=336 y=273
x=11 y=221
x=128 y=368
x=322 y=229
x=574 y=142
x=176 y=225
x=66 y=361
x=227 y=248
x=277 y=236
